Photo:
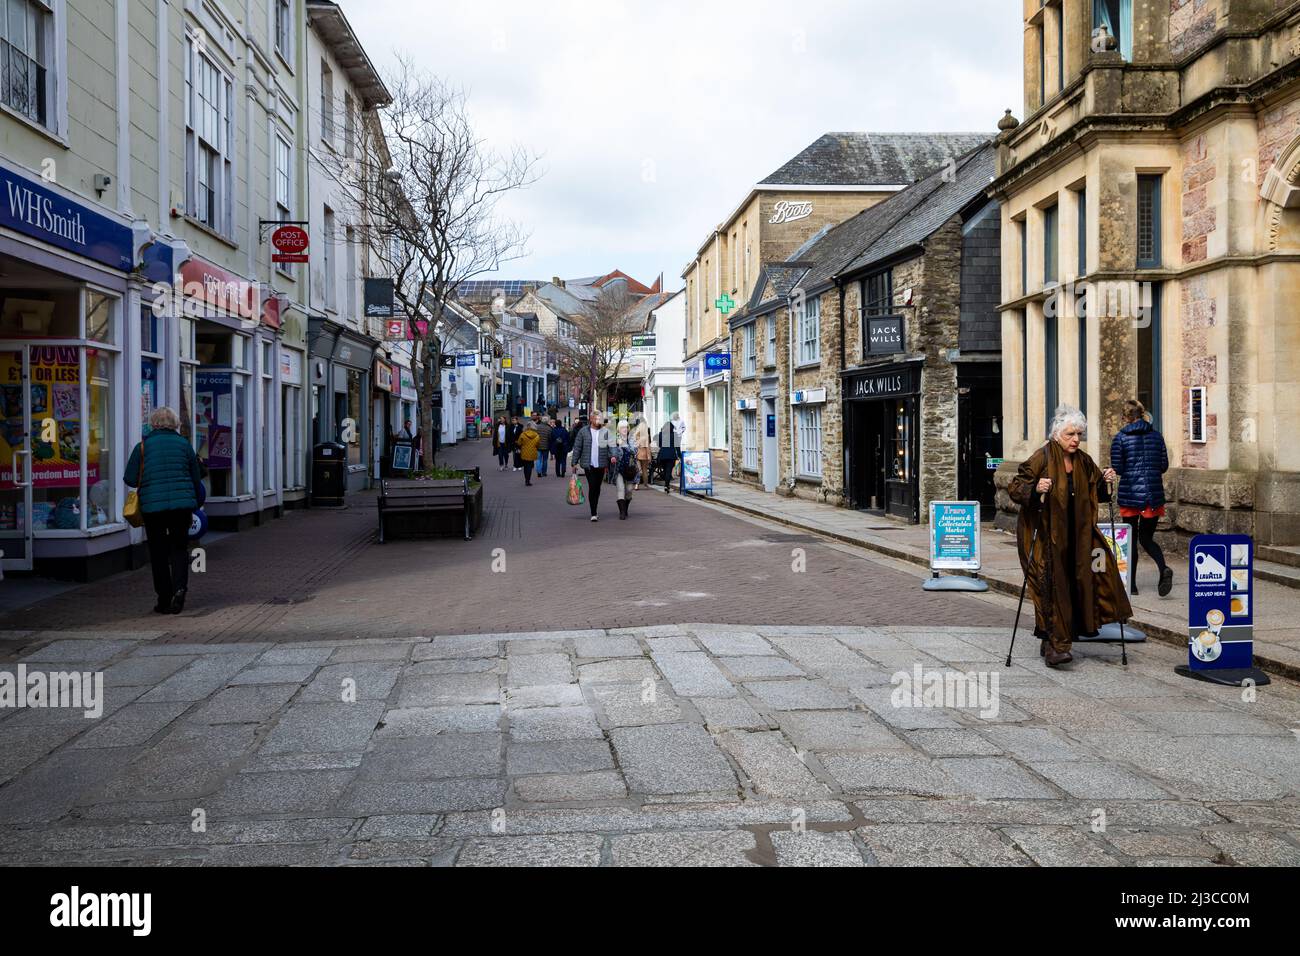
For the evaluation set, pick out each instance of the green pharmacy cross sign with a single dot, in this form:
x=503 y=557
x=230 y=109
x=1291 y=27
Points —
x=724 y=303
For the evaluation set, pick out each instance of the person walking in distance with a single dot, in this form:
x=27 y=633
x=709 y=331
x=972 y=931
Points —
x=623 y=463
x=528 y=451
x=559 y=446
x=592 y=447
x=165 y=470
x=669 y=450
x=1139 y=454
x=516 y=429
x=542 y=425
x=501 y=443
x=641 y=437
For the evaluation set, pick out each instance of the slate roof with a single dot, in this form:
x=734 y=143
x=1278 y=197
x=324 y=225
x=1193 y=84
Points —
x=781 y=277
x=873 y=159
x=941 y=201
x=637 y=317
x=562 y=301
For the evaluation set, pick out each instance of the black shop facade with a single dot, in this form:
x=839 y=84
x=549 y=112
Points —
x=881 y=404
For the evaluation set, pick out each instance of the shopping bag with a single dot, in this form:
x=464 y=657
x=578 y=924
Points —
x=576 y=496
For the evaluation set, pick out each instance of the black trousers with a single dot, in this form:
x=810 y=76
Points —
x=1145 y=529
x=559 y=463
x=595 y=478
x=168 y=536
x=528 y=471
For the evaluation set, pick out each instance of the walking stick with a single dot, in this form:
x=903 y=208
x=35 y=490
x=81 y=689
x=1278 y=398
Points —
x=1123 y=646
x=1033 y=540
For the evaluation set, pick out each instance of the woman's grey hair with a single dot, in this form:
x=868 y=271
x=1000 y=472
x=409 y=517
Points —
x=164 y=417
x=1067 y=416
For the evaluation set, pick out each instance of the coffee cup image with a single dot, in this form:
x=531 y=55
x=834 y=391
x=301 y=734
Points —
x=1207 y=646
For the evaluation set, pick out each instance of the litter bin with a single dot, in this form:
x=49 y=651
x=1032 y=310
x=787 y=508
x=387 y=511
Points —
x=329 y=473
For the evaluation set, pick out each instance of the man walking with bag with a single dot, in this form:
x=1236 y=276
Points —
x=592 y=447
x=543 y=426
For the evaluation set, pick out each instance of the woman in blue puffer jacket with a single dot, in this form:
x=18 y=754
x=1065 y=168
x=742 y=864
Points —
x=165 y=469
x=1139 y=454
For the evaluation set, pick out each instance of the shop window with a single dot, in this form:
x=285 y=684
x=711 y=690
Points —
x=750 y=439
x=901 y=467
x=808 y=420
x=102 y=472
x=26 y=52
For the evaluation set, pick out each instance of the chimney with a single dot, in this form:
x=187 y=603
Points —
x=659 y=285
x=556 y=280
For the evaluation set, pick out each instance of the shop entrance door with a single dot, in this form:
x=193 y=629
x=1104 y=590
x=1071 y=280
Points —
x=16 y=460
x=867 y=455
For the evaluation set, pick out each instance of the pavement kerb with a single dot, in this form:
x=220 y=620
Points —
x=1153 y=630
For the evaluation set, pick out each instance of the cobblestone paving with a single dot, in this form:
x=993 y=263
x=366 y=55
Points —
x=666 y=745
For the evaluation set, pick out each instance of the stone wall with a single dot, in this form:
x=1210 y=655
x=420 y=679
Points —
x=937 y=330
x=1191 y=24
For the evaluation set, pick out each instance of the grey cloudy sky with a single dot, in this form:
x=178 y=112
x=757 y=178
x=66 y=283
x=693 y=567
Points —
x=653 y=119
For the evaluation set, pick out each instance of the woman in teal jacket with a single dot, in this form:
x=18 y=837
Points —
x=165 y=469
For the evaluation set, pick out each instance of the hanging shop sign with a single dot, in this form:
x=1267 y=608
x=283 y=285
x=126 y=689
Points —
x=290 y=244
x=383 y=376
x=715 y=362
x=400 y=329
x=33 y=210
x=466 y=360
x=697 y=471
x=379 y=297
x=884 y=335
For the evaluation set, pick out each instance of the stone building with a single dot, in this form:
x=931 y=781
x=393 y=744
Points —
x=1150 y=235
x=833 y=179
x=867 y=367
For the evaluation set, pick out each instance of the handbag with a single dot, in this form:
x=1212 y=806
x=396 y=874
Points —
x=131 y=512
x=576 y=497
x=627 y=465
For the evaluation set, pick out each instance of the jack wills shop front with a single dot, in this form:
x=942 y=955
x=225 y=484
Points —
x=881 y=438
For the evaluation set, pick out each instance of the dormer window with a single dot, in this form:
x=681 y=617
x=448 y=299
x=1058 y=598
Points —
x=1113 y=18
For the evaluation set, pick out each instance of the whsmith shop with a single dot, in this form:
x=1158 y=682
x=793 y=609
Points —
x=88 y=347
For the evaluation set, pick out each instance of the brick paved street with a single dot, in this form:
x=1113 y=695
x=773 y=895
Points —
x=329 y=700
x=320 y=574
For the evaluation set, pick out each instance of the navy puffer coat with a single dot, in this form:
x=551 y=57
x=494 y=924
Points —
x=171 y=479
x=1138 y=453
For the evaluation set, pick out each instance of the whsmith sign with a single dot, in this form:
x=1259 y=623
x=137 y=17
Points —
x=43 y=214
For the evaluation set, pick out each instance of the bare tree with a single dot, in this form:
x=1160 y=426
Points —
x=431 y=191
x=600 y=346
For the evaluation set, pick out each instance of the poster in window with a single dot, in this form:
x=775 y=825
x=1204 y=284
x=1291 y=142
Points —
x=1196 y=415
x=55 y=395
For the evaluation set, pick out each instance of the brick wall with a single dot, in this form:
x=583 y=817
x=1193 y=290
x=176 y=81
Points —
x=1200 y=167
x=1199 y=314
x=1277 y=128
x=1191 y=24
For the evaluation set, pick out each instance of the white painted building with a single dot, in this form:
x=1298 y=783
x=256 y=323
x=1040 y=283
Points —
x=665 y=380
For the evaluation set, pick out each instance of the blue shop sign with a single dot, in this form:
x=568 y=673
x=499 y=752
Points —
x=43 y=214
x=466 y=360
x=717 y=362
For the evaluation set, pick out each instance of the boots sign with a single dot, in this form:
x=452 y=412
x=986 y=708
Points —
x=290 y=244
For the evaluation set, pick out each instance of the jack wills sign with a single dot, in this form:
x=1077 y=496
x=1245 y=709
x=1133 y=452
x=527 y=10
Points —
x=885 y=335
x=31 y=209
x=883 y=382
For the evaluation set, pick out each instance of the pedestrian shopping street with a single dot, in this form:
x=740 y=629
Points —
x=328 y=700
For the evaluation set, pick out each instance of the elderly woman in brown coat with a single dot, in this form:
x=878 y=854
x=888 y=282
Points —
x=1071 y=570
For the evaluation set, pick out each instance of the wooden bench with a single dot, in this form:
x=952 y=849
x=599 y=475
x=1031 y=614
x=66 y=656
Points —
x=423 y=498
